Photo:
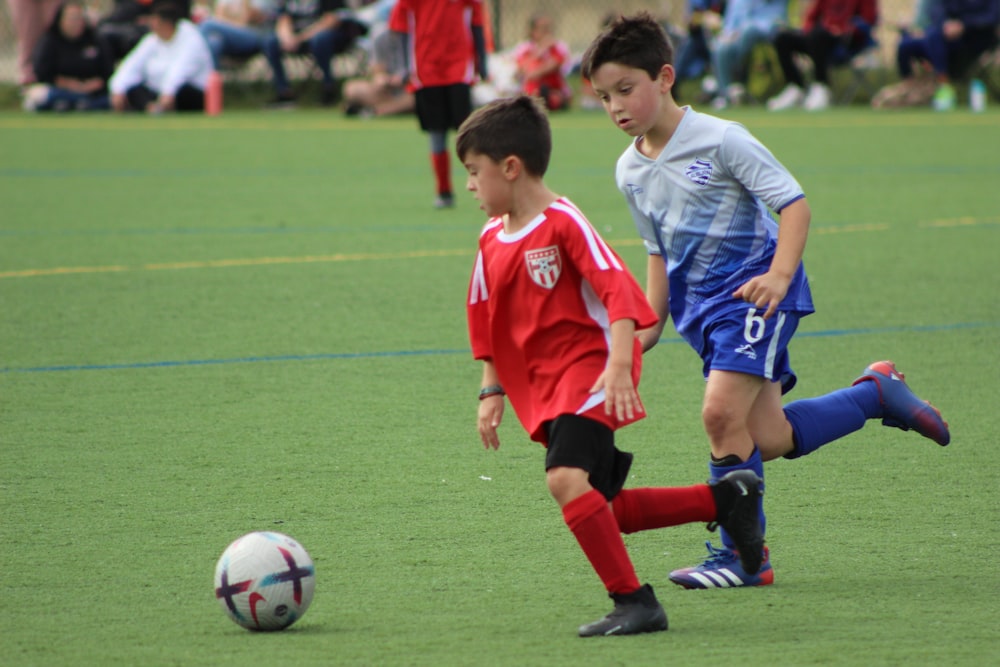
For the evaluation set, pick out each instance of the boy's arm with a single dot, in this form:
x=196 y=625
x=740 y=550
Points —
x=620 y=396
x=658 y=296
x=769 y=289
x=491 y=405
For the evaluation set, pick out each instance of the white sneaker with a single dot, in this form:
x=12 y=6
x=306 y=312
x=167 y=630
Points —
x=790 y=97
x=35 y=96
x=736 y=94
x=818 y=97
x=720 y=102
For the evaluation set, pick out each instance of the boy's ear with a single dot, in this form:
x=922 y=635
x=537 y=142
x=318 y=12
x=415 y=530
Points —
x=512 y=167
x=668 y=76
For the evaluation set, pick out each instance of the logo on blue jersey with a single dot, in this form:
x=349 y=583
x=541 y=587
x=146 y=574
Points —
x=699 y=171
x=746 y=349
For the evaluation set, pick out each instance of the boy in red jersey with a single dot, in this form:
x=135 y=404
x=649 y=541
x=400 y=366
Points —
x=552 y=314
x=445 y=48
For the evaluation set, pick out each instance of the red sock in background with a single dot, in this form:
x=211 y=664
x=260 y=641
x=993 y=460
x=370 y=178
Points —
x=442 y=172
x=594 y=526
x=648 y=508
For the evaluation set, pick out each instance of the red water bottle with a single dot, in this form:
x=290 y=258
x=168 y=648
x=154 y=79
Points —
x=213 y=94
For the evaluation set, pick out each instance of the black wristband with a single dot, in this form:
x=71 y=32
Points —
x=492 y=390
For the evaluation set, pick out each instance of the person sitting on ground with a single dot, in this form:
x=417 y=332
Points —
x=72 y=65
x=957 y=32
x=169 y=68
x=828 y=24
x=320 y=28
x=745 y=23
x=383 y=91
x=237 y=28
x=542 y=63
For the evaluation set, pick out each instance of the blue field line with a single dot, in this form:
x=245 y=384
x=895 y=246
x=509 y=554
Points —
x=829 y=333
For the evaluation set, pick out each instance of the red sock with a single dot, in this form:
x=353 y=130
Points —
x=594 y=526
x=442 y=172
x=645 y=509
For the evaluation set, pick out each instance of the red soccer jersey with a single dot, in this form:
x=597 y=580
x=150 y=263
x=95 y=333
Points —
x=440 y=31
x=529 y=58
x=541 y=303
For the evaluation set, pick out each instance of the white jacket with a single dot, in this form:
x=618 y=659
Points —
x=165 y=66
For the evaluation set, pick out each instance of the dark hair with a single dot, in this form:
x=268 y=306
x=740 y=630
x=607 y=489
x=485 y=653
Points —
x=634 y=41
x=515 y=126
x=55 y=29
x=168 y=11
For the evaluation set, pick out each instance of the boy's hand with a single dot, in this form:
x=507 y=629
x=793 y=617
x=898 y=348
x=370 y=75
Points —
x=620 y=397
x=766 y=290
x=490 y=415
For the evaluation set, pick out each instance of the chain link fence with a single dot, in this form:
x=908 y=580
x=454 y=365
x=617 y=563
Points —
x=577 y=21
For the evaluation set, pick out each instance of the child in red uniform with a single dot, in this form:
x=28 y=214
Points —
x=552 y=314
x=542 y=61
x=445 y=47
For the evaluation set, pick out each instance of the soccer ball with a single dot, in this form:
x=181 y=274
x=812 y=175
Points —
x=265 y=581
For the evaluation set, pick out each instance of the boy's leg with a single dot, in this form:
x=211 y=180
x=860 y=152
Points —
x=879 y=393
x=441 y=164
x=583 y=468
x=274 y=55
x=731 y=502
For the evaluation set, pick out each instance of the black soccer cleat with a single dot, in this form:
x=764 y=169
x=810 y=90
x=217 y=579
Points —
x=634 y=613
x=737 y=497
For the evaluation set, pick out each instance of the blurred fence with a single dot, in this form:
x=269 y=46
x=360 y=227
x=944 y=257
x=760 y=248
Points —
x=577 y=21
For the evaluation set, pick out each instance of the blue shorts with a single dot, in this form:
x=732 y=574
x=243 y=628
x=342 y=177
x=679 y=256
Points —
x=739 y=339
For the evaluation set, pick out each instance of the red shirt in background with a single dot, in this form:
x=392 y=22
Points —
x=440 y=32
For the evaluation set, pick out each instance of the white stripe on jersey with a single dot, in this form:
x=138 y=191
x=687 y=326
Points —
x=599 y=313
x=772 y=347
x=478 y=291
x=598 y=248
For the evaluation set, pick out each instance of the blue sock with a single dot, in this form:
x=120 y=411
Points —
x=753 y=463
x=817 y=421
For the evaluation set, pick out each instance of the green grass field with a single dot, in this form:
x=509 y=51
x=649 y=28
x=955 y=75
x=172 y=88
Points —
x=256 y=322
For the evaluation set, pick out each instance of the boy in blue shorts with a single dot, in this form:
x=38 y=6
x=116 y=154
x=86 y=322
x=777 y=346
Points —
x=701 y=191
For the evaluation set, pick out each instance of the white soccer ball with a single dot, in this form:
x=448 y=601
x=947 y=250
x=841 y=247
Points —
x=265 y=581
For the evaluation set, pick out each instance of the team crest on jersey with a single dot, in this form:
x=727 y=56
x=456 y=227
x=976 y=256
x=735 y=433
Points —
x=544 y=266
x=699 y=171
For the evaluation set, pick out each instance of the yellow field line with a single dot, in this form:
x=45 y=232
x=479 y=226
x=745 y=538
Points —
x=226 y=263
x=413 y=254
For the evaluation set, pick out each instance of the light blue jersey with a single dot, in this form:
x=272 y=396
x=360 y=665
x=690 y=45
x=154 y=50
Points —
x=705 y=205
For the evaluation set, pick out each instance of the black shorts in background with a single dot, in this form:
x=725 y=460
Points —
x=440 y=108
x=579 y=442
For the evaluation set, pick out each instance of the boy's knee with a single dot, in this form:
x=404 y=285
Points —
x=566 y=484
x=717 y=418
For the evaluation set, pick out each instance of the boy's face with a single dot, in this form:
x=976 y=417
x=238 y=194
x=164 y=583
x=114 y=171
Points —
x=631 y=98
x=489 y=183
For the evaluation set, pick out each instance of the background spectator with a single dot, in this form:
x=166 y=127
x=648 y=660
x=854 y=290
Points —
x=828 y=24
x=693 y=53
x=542 y=64
x=128 y=22
x=383 y=91
x=31 y=18
x=238 y=28
x=957 y=33
x=320 y=28
x=72 y=64
x=745 y=24
x=169 y=68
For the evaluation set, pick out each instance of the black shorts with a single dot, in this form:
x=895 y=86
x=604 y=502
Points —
x=440 y=108
x=579 y=442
